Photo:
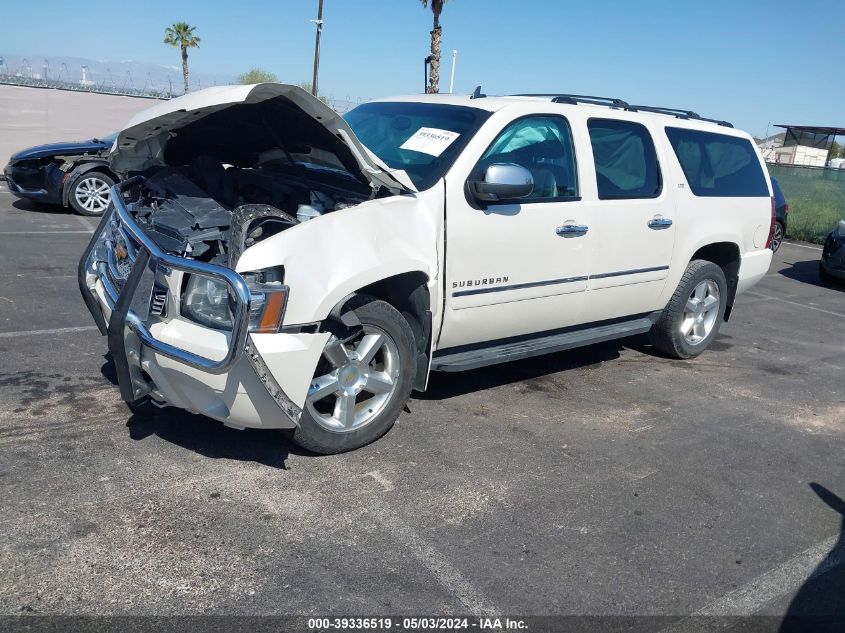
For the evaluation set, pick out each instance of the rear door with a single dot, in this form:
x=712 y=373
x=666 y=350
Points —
x=633 y=222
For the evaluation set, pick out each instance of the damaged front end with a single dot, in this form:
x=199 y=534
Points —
x=129 y=285
x=207 y=176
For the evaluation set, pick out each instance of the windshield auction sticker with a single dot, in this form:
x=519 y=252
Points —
x=429 y=140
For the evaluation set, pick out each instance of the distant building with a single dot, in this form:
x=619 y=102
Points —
x=802 y=145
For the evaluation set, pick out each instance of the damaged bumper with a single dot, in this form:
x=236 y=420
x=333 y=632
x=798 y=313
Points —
x=129 y=284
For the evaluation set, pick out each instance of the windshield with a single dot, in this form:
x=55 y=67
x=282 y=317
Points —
x=423 y=139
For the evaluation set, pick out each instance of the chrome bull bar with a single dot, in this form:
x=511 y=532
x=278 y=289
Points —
x=118 y=247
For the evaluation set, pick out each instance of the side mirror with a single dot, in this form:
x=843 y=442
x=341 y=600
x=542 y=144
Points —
x=503 y=181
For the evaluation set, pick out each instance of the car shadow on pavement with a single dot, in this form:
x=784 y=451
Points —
x=22 y=204
x=443 y=385
x=205 y=436
x=819 y=605
x=808 y=272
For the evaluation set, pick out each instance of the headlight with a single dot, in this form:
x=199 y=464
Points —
x=207 y=301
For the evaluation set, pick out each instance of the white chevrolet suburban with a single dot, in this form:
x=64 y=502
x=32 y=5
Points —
x=270 y=264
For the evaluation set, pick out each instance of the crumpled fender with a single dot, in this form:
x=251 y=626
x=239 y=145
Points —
x=329 y=257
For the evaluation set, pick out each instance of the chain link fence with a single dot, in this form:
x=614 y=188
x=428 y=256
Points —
x=816 y=197
x=112 y=86
x=148 y=91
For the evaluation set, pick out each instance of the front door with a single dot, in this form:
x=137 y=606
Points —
x=518 y=267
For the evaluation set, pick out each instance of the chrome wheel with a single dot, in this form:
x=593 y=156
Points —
x=700 y=312
x=354 y=381
x=93 y=195
x=777 y=236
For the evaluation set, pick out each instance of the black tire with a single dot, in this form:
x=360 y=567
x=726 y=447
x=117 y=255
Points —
x=372 y=313
x=83 y=181
x=666 y=334
x=825 y=276
x=777 y=238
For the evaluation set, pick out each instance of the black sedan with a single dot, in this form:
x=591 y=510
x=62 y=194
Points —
x=832 y=265
x=74 y=174
x=781 y=211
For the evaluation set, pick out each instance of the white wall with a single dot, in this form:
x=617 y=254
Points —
x=32 y=116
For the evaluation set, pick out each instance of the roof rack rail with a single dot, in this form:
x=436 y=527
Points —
x=619 y=103
x=575 y=99
x=676 y=112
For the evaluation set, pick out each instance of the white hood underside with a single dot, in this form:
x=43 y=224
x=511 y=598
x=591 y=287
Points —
x=141 y=143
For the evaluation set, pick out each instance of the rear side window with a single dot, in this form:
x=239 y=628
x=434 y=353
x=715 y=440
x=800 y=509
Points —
x=626 y=163
x=717 y=165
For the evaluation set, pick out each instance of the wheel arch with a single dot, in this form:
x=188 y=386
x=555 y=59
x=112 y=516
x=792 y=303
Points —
x=78 y=171
x=408 y=292
x=727 y=256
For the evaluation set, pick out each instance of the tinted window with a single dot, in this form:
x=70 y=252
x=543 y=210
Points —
x=543 y=145
x=626 y=163
x=780 y=200
x=423 y=139
x=718 y=165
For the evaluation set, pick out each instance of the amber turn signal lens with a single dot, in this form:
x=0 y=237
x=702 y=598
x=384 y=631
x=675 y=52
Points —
x=274 y=310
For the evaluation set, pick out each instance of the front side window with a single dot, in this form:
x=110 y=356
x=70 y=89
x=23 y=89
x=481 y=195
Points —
x=543 y=145
x=626 y=163
x=718 y=165
x=422 y=139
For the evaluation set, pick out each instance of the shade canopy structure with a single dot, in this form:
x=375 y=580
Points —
x=817 y=136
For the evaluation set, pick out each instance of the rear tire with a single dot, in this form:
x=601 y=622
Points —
x=777 y=237
x=341 y=413
x=825 y=276
x=691 y=320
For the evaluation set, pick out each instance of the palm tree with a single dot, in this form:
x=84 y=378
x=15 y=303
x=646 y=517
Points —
x=434 y=76
x=181 y=35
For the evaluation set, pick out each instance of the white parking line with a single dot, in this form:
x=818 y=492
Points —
x=58 y=330
x=815 y=248
x=774 y=584
x=444 y=572
x=45 y=232
x=84 y=222
x=794 y=303
x=436 y=563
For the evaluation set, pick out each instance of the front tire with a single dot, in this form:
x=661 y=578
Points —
x=360 y=385
x=90 y=194
x=691 y=320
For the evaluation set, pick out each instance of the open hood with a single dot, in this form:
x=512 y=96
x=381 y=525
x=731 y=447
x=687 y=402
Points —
x=236 y=124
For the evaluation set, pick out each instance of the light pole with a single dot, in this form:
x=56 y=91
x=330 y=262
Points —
x=319 y=23
x=426 y=62
x=452 y=78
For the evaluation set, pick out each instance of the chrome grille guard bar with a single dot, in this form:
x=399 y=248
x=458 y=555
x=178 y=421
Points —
x=129 y=302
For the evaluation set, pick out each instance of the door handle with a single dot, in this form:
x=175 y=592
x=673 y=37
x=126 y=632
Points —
x=659 y=223
x=572 y=230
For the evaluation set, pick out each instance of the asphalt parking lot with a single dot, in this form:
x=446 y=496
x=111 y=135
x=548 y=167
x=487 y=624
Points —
x=603 y=481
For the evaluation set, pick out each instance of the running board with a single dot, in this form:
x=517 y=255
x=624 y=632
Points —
x=506 y=351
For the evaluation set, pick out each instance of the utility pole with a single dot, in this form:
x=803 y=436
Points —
x=319 y=23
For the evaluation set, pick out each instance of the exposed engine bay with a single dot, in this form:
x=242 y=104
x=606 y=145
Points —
x=229 y=178
x=212 y=213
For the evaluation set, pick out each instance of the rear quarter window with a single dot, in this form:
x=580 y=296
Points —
x=717 y=165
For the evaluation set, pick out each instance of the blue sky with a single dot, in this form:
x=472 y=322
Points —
x=750 y=62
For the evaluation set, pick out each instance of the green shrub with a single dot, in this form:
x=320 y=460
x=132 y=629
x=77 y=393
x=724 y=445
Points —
x=812 y=221
x=816 y=200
